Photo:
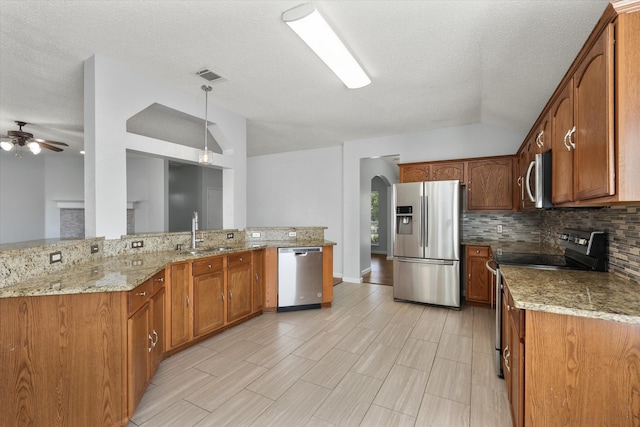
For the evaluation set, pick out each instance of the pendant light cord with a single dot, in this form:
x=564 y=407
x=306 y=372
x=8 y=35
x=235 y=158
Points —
x=206 y=90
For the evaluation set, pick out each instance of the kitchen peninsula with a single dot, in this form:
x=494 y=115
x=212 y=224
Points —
x=81 y=340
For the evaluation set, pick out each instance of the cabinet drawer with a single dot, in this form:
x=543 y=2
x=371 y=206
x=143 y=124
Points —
x=207 y=265
x=238 y=259
x=157 y=281
x=139 y=295
x=480 y=251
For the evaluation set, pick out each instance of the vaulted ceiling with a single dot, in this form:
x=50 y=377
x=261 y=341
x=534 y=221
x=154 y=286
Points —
x=432 y=63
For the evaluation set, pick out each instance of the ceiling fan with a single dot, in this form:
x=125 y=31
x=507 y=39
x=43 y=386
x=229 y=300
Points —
x=21 y=138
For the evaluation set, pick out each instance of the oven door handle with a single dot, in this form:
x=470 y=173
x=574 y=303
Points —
x=493 y=271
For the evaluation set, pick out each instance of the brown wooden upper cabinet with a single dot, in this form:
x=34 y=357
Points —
x=447 y=171
x=432 y=171
x=490 y=184
x=593 y=126
x=414 y=172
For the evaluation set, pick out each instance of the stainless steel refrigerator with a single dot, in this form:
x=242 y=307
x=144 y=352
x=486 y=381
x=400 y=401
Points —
x=426 y=244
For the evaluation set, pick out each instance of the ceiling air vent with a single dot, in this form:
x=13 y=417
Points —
x=208 y=75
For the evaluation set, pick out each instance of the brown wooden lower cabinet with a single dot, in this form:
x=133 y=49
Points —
x=239 y=286
x=573 y=370
x=63 y=360
x=479 y=279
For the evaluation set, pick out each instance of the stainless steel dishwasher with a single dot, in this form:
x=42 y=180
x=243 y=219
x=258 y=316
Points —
x=299 y=278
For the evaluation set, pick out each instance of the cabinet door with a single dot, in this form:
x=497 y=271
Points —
x=139 y=345
x=178 y=313
x=158 y=310
x=239 y=292
x=478 y=277
x=489 y=185
x=208 y=303
x=414 y=172
x=516 y=384
x=257 y=264
x=447 y=171
x=594 y=136
x=562 y=164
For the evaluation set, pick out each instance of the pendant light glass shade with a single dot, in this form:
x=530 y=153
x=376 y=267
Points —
x=34 y=147
x=206 y=156
x=6 y=145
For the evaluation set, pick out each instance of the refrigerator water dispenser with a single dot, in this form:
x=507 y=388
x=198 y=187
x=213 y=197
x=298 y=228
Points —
x=404 y=220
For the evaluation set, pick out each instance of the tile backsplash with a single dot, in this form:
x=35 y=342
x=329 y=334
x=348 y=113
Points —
x=620 y=223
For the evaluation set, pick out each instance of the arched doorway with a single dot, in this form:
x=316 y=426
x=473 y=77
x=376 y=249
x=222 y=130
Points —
x=381 y=271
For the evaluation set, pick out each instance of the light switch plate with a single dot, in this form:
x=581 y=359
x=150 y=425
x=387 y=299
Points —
x=55 y=257
x=229 y=235
x=293 y=234
x=254 y=234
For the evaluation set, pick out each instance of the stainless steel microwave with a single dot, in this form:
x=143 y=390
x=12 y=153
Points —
x=537 y=183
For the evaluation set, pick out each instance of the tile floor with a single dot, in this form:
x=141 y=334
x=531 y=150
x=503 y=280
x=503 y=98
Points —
x=366 y=361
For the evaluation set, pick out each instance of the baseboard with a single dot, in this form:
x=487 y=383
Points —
x=366 y=271
x=352 y=279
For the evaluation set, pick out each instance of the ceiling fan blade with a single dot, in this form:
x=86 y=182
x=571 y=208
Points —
x=47 y=141
x=5 y=136
x=50 y=147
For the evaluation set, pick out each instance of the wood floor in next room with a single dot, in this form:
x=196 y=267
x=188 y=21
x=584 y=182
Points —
x=366 y=361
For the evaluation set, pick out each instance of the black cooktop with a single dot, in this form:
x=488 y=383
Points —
x=542 y=261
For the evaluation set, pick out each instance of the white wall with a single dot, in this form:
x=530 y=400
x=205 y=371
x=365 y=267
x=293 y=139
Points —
x=113 y=94
x=22 y=200
x=300 y=188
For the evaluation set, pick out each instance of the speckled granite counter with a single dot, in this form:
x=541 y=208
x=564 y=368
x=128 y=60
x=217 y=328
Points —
x=124 y=272
x=576 y=293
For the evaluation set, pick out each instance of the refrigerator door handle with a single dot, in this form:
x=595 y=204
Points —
x=427 y=261
x=423 y=222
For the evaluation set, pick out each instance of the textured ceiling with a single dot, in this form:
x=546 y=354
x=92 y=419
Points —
x=432 y=63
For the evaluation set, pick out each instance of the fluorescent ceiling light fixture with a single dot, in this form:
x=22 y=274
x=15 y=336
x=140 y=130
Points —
x=311 y=27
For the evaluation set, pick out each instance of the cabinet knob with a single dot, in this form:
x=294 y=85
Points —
x=209 y=265
x=477 y=251
x=160 y=279
x=508 y=307
x=241 y=259
x=142 y=294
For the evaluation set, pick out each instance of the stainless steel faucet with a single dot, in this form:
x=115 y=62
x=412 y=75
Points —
x=194 y=229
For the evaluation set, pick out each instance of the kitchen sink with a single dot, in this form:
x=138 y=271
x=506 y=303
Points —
x=200 y=251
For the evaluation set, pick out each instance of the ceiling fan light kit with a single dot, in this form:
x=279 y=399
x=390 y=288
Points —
x=21 y=138
x=312 y=28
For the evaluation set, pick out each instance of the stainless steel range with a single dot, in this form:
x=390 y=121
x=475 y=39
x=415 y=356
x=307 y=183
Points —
x=583 y=250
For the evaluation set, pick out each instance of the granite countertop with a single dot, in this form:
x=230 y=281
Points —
x=577 y=293
x=124 y=272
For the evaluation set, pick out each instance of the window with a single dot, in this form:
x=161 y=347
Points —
x=375 y=238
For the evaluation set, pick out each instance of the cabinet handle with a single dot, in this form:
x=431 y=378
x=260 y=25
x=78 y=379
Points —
x=230 y=294
x=142 y=294
x=566 y=144
x=160 y=279
x=187 y=300
x=469 y=276
x=154 y=342
x=150 y=346
x=519 y=181
x=570 y=139
x=508 y=307
x=506 y=354
x=256 y=277
x=222 y=297
x=539 y=141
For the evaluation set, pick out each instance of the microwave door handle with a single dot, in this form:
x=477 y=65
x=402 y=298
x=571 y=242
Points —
x=528 y=181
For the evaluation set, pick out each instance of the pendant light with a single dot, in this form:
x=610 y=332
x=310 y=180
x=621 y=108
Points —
x=206 y=156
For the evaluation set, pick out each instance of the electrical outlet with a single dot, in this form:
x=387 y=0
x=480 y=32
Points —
x=95 y=248
x=56 y=286
x=499 y=251
x=255 y=234
x=136 y=262
x=293 y=234
x=229 y=235
x=137 y=244
x=499 y=228
x=55 y=257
